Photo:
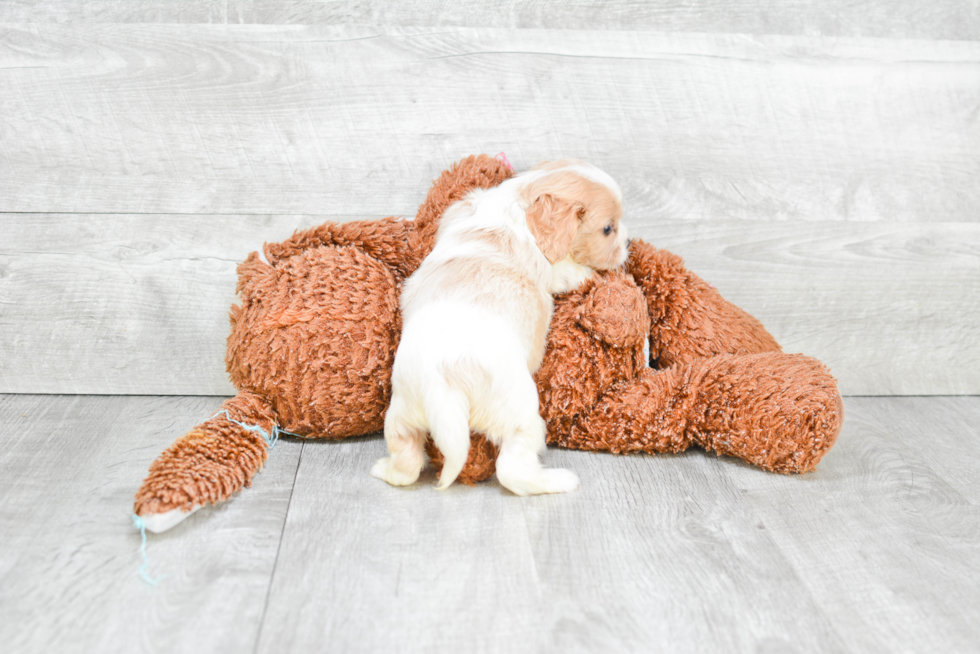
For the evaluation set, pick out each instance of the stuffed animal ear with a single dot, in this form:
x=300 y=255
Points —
x=553 y=223
x=615 y=310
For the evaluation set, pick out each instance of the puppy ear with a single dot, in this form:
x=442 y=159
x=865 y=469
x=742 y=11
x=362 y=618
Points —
x=553 y=223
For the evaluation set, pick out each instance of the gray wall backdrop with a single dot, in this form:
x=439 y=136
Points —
x=818 y=162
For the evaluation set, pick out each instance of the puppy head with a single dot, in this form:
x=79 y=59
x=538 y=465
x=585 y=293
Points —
x=574 y=210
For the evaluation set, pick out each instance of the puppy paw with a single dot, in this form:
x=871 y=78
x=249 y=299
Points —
x=543 y=480
x=557 y=480
x=386 y=469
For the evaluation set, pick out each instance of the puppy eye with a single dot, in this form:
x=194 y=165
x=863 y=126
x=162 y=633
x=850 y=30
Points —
x=607 y=230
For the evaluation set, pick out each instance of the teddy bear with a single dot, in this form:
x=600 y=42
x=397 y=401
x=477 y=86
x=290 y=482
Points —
x=647 y=358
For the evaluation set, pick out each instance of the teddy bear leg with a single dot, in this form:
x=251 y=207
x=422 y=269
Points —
x=481 y=462
x=781 y=412
x=645 y=414
x=208 y=464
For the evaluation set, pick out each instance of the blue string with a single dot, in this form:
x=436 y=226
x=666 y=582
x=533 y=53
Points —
x=141 y=525
x=270 y=439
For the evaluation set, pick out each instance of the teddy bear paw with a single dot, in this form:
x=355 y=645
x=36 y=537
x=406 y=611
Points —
x=161 y=522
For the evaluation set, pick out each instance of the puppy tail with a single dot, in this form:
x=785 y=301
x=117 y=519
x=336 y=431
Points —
x=449 y=425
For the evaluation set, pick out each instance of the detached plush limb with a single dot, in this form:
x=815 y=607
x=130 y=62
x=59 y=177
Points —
x=689 y=319
x=781 y=412
x=208 y=464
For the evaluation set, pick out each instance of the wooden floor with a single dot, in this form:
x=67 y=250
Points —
x=816 y=161
x=877 y=551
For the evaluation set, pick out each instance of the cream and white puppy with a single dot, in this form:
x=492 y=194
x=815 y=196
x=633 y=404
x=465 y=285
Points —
x=475 y=321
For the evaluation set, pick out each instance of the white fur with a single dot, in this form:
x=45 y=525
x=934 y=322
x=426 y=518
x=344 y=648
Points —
x=567 y=275
x=471 y=342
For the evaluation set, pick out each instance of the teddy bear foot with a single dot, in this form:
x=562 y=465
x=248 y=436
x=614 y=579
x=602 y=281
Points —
x=161 y=522
x=781 y=412
x=207 y=465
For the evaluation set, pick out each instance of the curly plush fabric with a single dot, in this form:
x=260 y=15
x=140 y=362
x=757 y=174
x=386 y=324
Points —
x=299 y=339
x=210 y=462
x=481 y=462
x=314 y=338
x=784 y=422
x=689 y=317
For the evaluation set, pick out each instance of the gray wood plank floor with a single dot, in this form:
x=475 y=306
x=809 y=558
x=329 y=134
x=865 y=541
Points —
x=876 y=551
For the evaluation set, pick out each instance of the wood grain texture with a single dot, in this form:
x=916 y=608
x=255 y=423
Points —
x=890 y=537
x=139 y=304
x=355 y=120
x=645 y=557
x=876 y=551
x=123 y=304
x=945 y=19
x=892 y=309
x=69 y=554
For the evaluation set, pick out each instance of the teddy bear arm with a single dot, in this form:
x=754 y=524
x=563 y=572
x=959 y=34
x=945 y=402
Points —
x=689 y=318
x=635 y=415
x=613 y=310
x=475 y=171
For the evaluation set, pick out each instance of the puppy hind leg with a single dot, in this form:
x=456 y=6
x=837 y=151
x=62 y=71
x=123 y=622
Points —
x=406 y=455
x=520 y=471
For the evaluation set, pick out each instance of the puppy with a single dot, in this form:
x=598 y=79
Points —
x=475 y=321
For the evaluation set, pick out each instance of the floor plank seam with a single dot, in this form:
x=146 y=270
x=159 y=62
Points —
x=275 y=563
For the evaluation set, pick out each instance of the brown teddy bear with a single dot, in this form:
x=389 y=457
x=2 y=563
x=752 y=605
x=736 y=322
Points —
x=311 y=348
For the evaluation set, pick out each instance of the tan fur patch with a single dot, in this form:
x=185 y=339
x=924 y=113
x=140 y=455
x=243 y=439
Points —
x=554 y=223
x=552 y=199
x=500 y=240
